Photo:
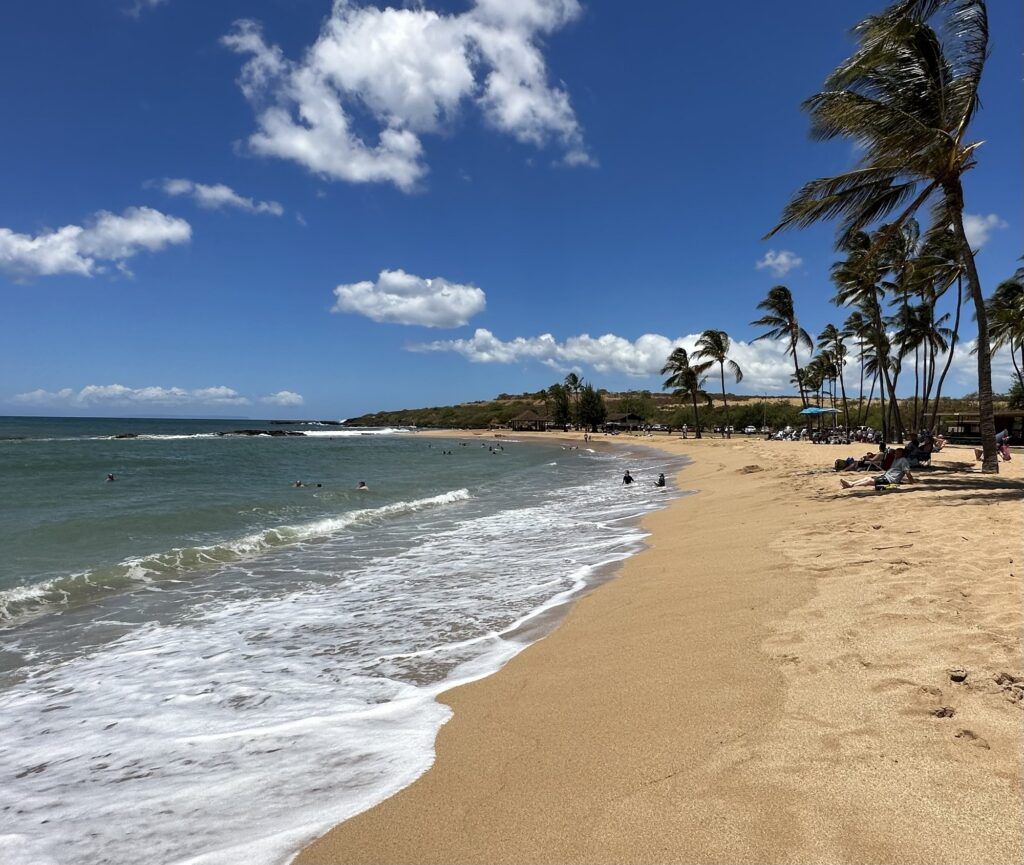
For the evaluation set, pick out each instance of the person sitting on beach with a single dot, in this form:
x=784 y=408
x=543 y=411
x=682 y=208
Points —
x=918 y=452
x=900 y=469
x=362 y=486
x=660 y=482
x=627 y=478
x=1002 y=445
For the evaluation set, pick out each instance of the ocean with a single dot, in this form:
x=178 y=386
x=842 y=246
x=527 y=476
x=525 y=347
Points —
x=203 y=663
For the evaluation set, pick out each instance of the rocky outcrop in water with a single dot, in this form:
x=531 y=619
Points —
x=261 y=432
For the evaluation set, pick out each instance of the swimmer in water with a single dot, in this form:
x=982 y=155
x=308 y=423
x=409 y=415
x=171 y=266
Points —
x=110 y=477
x=660 y=482
x=627 y=478
x=362 y=486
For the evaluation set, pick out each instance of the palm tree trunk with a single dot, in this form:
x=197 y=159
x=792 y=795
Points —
x=842 y=387
x=917 y=382
x=881 y=397
x=949 y=357
x=861 y=411
x=871 y=396
x=796 y=366
x=986 y=411
x=727 y=433
x=696 y=415
x=932 y=345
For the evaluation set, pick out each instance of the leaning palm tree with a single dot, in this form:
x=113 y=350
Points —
x=831 y=338
x=713 y=347
x=780 y=319
x=907 y=97
x=686 y=381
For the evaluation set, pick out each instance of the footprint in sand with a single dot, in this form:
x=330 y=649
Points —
x=972 y=738
x=1012 y=686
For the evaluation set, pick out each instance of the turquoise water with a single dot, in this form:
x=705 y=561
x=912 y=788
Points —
x=202 y=644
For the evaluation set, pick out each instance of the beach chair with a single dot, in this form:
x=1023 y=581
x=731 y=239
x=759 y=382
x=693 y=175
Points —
x=881 y=464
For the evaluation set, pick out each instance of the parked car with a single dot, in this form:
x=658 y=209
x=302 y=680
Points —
x=750 y=430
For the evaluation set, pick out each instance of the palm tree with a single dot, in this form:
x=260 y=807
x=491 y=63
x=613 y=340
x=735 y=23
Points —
x=856 y=327
x=897 y=247
x=858 y=279
x=781 y=321
x=941 y=266
x=1006 y=312
x=685 y=380
x=574 y=384
x=832 y=339
x=907 y=97
x=714 y=346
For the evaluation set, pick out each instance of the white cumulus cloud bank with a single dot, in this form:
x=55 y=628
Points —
x=978 y=228
x=410 y=71
x=217 y=195
x=398 y=297
x=119 y=395
x=779 y=263
x=283 y=397
x=766 y=365
x=122 y=395
x=82 y=250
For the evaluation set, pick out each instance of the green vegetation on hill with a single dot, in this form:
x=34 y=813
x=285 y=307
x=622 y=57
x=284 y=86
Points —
x=654 y=408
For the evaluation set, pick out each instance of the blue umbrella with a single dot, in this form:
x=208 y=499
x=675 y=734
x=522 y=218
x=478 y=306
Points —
x=815 y=410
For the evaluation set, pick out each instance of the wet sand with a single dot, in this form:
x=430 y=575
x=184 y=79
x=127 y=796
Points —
x=771 y=681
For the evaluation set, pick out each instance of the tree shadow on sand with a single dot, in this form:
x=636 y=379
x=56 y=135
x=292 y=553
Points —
x=968 y=485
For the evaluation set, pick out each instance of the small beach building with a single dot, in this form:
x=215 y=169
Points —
x=529 y=421
x=626 y=421
x=964 y=428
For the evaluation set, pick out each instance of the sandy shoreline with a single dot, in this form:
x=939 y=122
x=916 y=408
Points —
x=768 y=682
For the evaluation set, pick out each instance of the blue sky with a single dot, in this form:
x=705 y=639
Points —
x=480 y=197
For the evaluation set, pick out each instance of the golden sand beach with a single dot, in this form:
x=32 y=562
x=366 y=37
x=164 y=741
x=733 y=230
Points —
x=789 y=673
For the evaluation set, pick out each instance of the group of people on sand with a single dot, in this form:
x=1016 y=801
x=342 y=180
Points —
x=895 y=463
x=1002 y=446
x=628 y=479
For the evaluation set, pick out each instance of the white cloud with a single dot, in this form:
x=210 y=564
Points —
x=119 y=394
x=779 y=263
x=81 y=250
x=217 y=195
x=283 y=397
x=411 y=70
x=137 y=7
x=978 y=228
x=44 y=397
x=398 y=297
x=765 y=365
